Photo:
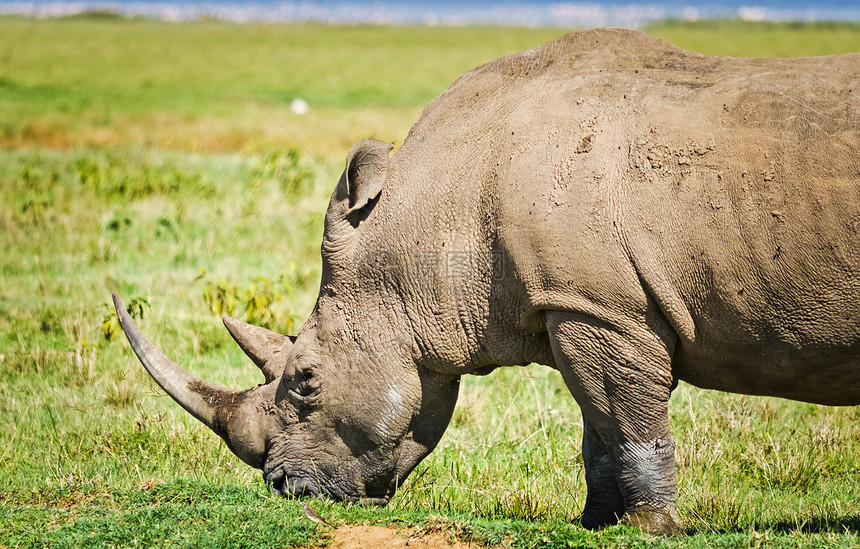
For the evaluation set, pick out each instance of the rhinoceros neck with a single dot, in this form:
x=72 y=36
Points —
x=438 y=244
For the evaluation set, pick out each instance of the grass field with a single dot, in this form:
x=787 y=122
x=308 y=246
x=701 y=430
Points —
x=162 y=161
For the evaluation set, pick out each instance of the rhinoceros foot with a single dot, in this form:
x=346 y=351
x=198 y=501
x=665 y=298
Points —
x=652 y=520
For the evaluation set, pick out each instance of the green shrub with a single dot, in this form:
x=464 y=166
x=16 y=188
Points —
x=261 y=302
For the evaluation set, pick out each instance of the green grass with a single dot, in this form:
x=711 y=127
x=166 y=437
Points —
x=141 y=157
x=754 y=39
x=215 y=84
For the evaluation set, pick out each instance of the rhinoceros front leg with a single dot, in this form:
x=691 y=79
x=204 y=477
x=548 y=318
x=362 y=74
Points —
x=621 y=379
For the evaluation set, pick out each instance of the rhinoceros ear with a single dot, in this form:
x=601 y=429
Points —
x=366 y=169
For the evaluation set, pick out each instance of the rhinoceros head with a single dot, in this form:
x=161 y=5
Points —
x=347 y=411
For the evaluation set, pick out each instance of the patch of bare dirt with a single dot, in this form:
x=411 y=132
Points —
x=380 y=537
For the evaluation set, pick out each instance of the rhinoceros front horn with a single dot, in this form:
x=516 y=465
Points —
x=238 y=417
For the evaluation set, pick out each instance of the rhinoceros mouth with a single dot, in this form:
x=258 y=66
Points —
x=280 y=484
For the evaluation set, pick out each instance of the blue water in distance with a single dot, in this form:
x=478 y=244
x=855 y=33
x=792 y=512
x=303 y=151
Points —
x=583 y=13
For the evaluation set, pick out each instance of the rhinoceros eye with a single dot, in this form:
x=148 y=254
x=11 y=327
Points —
x=307 y=386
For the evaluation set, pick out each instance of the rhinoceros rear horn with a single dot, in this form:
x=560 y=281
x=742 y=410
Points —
x=268 y=350
x=232 y=415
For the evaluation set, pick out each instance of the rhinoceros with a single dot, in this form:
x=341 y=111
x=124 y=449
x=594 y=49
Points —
x=626 y=212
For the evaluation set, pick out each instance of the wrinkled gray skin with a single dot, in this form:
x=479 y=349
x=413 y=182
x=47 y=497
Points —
x=626 y=212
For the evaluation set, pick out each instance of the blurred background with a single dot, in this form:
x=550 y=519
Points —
x=471 y=12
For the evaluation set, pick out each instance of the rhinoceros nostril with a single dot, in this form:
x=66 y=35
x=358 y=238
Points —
x=276 y=482
x=301 y=488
